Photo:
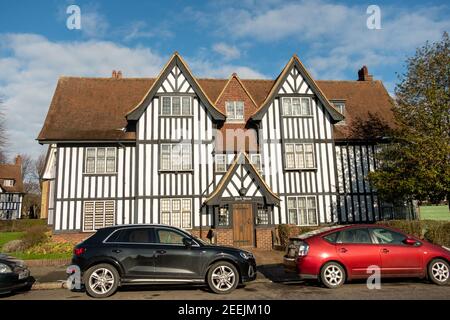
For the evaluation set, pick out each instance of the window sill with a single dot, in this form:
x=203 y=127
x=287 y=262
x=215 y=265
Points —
x=100 y=174
x=300 y=169
x=301 y=116
x=176 y=171
x=235 y=121
x=176 y=116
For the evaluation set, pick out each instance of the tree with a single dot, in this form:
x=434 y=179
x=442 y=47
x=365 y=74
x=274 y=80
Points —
x=31 y=172
x=416 y=165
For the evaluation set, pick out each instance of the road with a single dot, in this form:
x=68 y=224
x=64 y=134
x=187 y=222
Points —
x=405 y=289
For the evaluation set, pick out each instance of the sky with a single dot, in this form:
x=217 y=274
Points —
x=254 y=38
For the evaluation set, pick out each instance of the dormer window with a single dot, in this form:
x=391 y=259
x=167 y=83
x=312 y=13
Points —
x=297 y=107
x=8 y=183
x=235 y=111
x=340 y=106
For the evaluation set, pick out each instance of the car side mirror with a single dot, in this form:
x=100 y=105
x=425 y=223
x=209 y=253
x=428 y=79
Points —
x=187 y=242
x=409 y=241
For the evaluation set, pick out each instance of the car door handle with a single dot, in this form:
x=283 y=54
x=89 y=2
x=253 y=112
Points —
x=384 y=250
x=117 y=251
x=161 y=251
x=343 y=250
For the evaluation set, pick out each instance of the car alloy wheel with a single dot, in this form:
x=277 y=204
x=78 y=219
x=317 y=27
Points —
x=101 y=281
x=439 y=271
x=223 y=277
x=332 y=275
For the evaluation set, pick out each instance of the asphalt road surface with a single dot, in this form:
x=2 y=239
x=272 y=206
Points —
x=405 y=289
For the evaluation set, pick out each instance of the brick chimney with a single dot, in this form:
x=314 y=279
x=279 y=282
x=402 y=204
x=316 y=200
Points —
x=116 y=74
x=18 y=160
x=363 y=74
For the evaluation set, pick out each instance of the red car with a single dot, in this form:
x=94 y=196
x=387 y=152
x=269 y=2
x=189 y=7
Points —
x=336 y=254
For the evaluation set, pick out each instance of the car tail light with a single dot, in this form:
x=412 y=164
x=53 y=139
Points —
x=303 y=249
x=79 y=251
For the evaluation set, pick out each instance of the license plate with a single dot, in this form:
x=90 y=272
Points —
x=24 y=274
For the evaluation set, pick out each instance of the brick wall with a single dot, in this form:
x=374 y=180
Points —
x=71 y=237
x=224 y=237
x=264 y=238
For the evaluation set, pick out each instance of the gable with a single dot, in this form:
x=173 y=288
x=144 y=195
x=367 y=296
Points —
x=175 y=70
x=295 y=83
x=242 y=180
x=287 y=81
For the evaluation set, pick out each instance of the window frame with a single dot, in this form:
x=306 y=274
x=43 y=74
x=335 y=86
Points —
x=296 y=153
x=225 y=162
x=298 y=210
x=94 y=202
x=181 y=105
x=341 y=107
x=105 y=159
x=181 y=211
x=234 y=104
x=259 y=166
x=8 y=182
x=181 y=156
x=299 y=112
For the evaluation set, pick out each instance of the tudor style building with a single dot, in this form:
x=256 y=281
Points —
x=237 y=156
x=11 y=190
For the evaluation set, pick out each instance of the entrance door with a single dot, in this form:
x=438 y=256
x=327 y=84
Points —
x=243 y=225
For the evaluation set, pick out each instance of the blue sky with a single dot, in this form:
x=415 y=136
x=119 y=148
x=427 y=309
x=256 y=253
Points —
x=253 y=38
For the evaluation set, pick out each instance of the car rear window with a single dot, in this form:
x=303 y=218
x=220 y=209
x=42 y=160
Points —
x=332 y=237
x=132 y=235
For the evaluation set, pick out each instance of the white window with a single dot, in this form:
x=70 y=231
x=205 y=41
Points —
x=302 y=211
x=221 y=162
x=176 y=106
x=256 y=161
x=235 y=111
x=299 y=156
x=8 y=183
x=340 y=106
x=100 y=160
x=176 y=157
x=98 y=214
x=297 y=106
x=177 y=213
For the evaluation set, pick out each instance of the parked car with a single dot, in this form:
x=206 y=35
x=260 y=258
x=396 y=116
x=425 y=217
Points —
x=14 y=275
x=148 y=254
x=336 y=254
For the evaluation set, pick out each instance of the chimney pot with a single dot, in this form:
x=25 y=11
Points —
x=363 y=74
x=114 y=74
x=119 y=74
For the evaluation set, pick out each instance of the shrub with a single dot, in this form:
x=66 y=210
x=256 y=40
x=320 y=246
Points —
x=13 y=246
x=437 y=232
x=35 y=235
x=50 y=248
x=286 y=231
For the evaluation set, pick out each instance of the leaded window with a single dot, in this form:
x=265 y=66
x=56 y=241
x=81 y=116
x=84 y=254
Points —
x=302 y=210
x=101 y=160
x=299 y=156
x=177 y=212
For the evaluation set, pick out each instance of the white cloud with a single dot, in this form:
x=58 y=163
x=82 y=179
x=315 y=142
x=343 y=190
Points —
x=226 y=51
x=31 y=65
x=35 y=65
x=94 y=24
x=336 y=34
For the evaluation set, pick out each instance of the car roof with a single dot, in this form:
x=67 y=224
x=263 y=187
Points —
x=135 y=225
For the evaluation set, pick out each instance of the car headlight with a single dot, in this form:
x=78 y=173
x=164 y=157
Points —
x=5 y=268
x=246 y=255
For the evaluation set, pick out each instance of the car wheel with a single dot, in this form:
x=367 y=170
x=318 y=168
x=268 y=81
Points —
x=223 y=277
x=332 y=275
x=101 y=281
x=439 y=271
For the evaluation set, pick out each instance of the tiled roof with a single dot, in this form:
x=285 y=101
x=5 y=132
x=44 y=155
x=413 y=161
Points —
x=11 y=172
x=85 y=109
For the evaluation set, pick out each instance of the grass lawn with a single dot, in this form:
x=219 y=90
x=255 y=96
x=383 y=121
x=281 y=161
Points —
x=434 y=213
x=8 y=236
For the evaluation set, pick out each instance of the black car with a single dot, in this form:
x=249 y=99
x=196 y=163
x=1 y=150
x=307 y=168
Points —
x=14 y=274
x=146 y=254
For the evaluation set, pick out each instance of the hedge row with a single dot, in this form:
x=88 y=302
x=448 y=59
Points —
x=20 y=225
x=437 y=232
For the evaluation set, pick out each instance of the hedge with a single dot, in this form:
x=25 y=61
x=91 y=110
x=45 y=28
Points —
x=20 y=225
x=434 y=231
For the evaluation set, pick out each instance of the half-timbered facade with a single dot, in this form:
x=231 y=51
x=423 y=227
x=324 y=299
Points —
x=11 y=190
x=233 y=156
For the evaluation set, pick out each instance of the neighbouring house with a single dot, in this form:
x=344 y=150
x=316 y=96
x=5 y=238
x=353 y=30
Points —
x=231 y=155
x=11 y=190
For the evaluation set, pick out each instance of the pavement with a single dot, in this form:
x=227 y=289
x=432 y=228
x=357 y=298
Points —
x=271 y=283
